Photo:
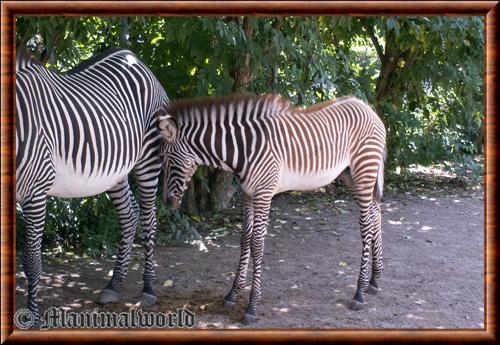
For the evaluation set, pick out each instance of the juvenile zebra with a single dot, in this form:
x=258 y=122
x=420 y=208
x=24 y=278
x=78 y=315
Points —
x=81 y=133
x=274 y=147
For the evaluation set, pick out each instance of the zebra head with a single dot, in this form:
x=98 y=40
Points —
x=178 y=160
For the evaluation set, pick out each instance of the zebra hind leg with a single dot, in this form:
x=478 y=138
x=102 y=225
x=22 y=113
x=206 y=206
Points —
x=364 y=199
x=365 y=223
x=261 y=207
x=246 y=237
x=128 y=214
x=377 y=263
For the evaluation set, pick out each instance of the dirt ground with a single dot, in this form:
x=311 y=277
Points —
x=433 y=256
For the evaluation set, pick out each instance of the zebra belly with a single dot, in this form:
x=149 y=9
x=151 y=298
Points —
x=292 y=180
x=69 y=183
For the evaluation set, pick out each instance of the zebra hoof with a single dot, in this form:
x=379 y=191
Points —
x=230 y=299
x=357 y=305
x=248 y=319
x=228 y=303
x=147 y=300
x=108 y=296
x=372 y=290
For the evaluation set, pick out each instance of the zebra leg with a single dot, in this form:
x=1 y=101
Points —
x=365 y=224
x=147 y=179
x=246 y=236
x=34 y=218
x=128 y=213
x=261 y=207
x=377 y=264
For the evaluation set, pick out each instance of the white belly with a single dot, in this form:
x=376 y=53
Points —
x=291 y=180
x=71 y=184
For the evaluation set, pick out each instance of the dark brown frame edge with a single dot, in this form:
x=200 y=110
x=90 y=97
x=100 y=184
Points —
x=488 y=9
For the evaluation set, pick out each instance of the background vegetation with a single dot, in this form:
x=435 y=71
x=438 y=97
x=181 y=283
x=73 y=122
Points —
x=424 y=76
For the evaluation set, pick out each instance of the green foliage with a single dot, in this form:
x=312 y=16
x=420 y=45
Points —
x=89 y=223
x=423 y=75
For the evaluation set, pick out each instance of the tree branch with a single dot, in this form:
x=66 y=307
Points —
x=376 y=43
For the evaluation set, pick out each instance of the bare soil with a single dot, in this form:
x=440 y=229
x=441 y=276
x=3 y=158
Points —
x=433 y=237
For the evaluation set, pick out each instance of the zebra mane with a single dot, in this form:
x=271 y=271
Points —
x=24 y=58
x=327 y=103
x=276 y=103
x=96 y=58
x=182 y=107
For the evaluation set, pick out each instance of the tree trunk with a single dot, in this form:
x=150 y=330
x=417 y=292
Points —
x=389 y=55
x=479 y=141
x=124 y=31
x=222 y=190
x=190 y=202
x=273 y=76
x=221 y=183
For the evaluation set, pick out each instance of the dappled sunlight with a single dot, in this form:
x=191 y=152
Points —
x=280 y=310
x=420 y=301
x=301 y=235
x=389 y=207
x=425 y=228
x=201 y=246
x=411 y=316
x=205 y=325
x=437 y=170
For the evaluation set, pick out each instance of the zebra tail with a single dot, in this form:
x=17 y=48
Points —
x=378 y=192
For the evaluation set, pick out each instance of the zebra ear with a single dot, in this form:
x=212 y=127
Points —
x=168 y=127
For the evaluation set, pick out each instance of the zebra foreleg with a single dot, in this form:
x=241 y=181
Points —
x=34 y=218
x=246 y=237
x=377 y=263
x=147 y=192
x=261 y=215
x=128 y=214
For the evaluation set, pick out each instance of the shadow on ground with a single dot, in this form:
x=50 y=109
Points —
x=433 y=255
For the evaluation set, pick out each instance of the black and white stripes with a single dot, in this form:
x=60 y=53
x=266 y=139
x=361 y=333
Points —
x=274 y=147
x=81 y=133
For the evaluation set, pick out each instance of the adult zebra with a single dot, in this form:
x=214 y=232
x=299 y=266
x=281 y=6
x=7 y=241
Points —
x=81 y=133
x=273 y=147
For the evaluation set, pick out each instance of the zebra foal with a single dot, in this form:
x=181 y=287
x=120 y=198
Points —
x=274 y=147
x=81 y=133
